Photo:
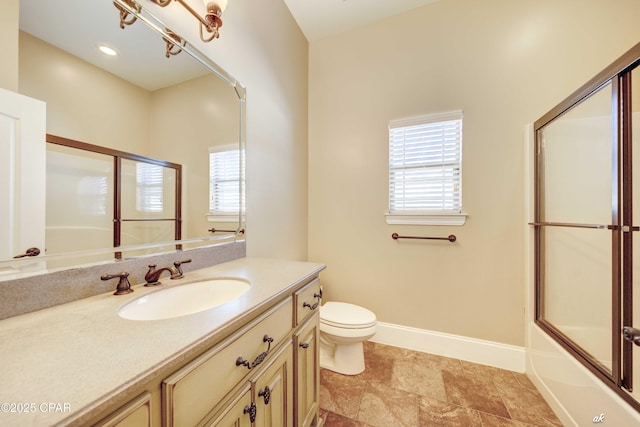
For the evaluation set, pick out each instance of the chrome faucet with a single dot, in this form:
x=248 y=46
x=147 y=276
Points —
x=153 y=275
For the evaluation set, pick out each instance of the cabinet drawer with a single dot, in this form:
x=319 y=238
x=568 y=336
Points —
x=193 y=391
x=307 y=301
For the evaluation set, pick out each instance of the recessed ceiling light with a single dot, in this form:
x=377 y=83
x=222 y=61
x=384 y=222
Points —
x=107 y=50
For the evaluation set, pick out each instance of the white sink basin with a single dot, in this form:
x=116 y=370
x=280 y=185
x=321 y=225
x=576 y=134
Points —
x=185 y=299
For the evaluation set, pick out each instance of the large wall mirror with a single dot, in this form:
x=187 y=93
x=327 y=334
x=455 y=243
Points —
x=182 y=109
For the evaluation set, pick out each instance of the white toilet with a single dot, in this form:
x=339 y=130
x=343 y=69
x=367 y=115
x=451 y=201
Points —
x=343 y=329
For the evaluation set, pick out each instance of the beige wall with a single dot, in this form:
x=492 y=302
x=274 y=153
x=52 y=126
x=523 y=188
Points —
x=9 y=21
x=187 y=120
x=505 y=64
x=261 y=46
x=83 y=101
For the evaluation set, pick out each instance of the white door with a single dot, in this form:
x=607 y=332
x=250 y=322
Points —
x=22 y=174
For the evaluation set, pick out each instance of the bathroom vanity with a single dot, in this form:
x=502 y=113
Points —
x=250 y=361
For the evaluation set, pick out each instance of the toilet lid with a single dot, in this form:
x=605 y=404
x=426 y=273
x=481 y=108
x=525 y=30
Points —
x=346 y=315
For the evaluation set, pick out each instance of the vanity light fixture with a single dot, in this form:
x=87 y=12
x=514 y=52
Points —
x=125 y=19
x=209 y=24
x=173 y=45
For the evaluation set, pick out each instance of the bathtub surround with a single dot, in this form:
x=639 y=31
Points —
x=565 y=383
x=33 y=293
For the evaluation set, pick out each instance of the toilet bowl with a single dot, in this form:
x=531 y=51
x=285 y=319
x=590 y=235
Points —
x=343 y=329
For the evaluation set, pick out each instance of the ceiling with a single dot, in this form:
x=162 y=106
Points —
x=141 y=58
x=322 y=18
x=54 y=22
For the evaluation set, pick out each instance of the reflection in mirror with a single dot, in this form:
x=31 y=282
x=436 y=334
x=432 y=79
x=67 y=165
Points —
x=88 y=210
x=99 y=197
x=179 y=110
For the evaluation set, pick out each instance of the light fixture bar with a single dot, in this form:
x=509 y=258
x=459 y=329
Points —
x=211 y=22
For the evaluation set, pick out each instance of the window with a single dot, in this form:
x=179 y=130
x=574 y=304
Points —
x=425 y=170
x=225 y=201
x=92 y=195
x=149 y=188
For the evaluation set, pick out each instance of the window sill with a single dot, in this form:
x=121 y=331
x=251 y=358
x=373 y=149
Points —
x=426 y=219
x=222 y=217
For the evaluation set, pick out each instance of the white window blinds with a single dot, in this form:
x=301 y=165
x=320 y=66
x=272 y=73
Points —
x=425 y=159
x=224 y=181
x=149 y=187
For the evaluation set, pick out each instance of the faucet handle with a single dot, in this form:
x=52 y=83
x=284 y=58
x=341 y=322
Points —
x=123 y=287
x=178 y=265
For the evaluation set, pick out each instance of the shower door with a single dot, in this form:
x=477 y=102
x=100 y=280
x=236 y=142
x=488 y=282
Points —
x=587 y=257
x=632 y=300
x=576 y=213
x=99 y=197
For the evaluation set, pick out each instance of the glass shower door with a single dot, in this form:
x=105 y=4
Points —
x=587 y=225
x=79 y=203
x=577 y=211
x=148 y=203
x=631 y=353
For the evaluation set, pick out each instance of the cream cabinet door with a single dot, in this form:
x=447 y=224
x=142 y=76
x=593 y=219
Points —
x=273 y=392
x=22 y=174
x=136 y=413
x=237 y=414
x=307 y=382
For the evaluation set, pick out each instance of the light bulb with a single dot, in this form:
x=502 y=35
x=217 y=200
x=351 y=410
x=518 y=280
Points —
x=222 y=4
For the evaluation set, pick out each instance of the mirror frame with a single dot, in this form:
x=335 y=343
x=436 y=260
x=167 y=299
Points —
x=29 y=266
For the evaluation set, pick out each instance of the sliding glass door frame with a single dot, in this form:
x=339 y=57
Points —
x=118 y=157
x=619 y=377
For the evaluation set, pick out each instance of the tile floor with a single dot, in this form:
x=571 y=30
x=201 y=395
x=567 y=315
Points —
x=407 y=388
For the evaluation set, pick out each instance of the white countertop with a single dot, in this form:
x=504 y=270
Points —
x=81 y=355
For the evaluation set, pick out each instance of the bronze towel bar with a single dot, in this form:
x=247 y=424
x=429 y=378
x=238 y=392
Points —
x=215 y=230
x=593 y=226
x=451 y=237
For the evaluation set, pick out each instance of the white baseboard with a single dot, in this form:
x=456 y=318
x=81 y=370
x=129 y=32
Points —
x=489 y=353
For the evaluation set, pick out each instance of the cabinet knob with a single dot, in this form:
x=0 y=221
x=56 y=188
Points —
x=304 y=345
x=266 y=394
x=251 y=410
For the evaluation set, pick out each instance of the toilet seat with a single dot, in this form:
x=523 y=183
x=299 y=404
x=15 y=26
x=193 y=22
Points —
x=346 y=316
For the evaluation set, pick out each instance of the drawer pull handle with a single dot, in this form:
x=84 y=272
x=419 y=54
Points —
x=304 y=345
x=316 y=304
x=266 y=394
x=240 y=361
x=251 y=410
